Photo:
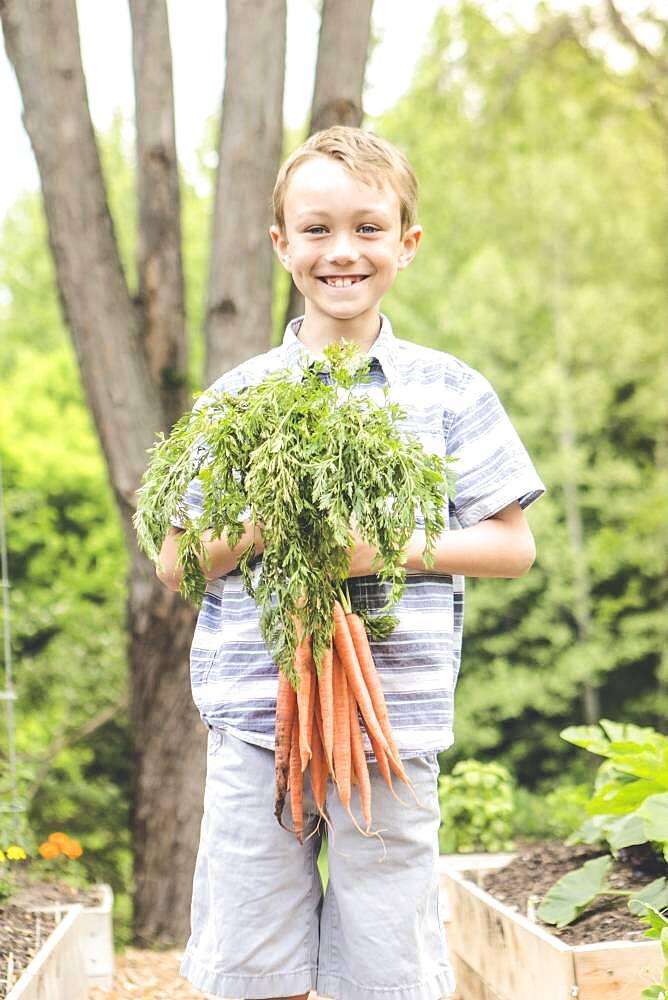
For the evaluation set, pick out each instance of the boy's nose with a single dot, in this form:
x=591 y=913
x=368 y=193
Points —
x=342 y=251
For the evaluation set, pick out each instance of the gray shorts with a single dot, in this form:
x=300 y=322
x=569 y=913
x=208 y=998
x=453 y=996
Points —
x=261 y=926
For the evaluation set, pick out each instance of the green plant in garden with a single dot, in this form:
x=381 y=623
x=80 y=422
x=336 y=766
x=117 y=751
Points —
x=657 y=928
x=302 y=457
x=476 y=808
x=12 y=855
x=629 y=807
x=630 y=801
x=568 y=898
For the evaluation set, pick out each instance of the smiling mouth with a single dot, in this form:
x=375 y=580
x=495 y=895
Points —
x=342 y=281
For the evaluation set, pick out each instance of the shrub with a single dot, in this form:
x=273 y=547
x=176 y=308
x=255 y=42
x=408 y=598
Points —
x=476 y=808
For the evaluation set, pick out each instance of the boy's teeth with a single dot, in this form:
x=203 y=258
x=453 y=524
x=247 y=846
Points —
x=342 y=282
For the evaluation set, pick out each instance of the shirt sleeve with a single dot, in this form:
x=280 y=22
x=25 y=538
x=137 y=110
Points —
x=492 y=467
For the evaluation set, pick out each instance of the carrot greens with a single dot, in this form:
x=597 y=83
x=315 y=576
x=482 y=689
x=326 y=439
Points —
x=303 y=455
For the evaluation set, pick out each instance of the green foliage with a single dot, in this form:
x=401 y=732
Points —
x=543 y=264
x=550 y=811
x=568 y=898
x=302 y=457
x=630 y=801
x=628 y=807
x=657 y=923
x=476 y=808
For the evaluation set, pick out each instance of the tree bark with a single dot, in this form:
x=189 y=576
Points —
x=159 y=264
x=238 y=323
x=343 y=45
x=42 y=43
x=169 y=759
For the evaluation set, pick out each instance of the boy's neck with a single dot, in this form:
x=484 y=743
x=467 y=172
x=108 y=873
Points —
x=318 y=333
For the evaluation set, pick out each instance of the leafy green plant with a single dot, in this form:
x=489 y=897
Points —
x=630 y=801
x=568 y=898
x=476 y=808
x=657 y=928
x=303 y=457
x=629 y=806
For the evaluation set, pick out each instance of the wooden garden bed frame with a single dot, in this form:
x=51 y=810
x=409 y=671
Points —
x=499 y=954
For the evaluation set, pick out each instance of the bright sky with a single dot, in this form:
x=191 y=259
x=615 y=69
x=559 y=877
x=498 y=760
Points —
x=198 y=36
x=197 y=31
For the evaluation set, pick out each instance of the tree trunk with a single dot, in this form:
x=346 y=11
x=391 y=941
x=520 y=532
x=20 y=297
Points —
x=159 y=264
x=169 y=760
x=42 y=42
x=238 y=323
x=169 y=740
x=343 y=44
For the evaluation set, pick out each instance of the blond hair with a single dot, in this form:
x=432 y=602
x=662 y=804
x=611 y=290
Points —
x=364 y=155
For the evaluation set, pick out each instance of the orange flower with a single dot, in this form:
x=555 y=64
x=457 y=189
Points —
x=59 y=839
x=72 y=849
x=49 y=850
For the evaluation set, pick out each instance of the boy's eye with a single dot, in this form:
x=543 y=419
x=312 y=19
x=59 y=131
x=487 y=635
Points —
x=316 y=230
x=368 y=228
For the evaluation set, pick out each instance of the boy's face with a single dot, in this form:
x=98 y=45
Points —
x=342 y=242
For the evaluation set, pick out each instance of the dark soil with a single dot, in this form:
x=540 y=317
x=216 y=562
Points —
x=23 y=931
x=539 y=865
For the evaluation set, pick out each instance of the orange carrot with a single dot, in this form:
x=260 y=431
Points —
x=384 y=768
x=342 y=760
x=296 y=783
x=346 y=650
x=318 y=770
x=305 y=671
x=360 y=769
x=372 y=683
x=286 y=705
x=326 y=702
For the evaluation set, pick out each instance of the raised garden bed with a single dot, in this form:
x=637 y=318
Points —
x=500 y=953
x=55 y=942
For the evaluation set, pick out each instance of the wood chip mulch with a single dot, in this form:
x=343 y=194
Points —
x=21 y=935
x=152 y=975
x=147 y=975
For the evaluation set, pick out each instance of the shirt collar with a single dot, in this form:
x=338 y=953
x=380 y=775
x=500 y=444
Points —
x=383 y=348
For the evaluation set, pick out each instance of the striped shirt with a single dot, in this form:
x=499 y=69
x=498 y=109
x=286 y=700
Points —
x=454 y=411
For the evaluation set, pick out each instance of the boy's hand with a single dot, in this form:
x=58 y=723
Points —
x=363 y=557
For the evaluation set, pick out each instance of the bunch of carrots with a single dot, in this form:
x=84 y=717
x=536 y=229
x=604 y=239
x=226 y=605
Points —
x=318 y=726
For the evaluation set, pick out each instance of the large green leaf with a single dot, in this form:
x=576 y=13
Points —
x=622 y=798
x=618 y=732
x=654 y=812
x=655 y=919
x=588 y=737
x=625 y=831
x=592 y=831
x=654 y=896
x=568 y=897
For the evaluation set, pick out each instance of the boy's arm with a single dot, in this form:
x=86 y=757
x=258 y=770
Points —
x=222 y=558
x=499 y=546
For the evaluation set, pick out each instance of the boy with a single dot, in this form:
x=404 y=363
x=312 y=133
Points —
x=345 y=206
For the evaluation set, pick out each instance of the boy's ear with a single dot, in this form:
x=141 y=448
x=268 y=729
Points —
x=280 y=242
x=410 y=242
